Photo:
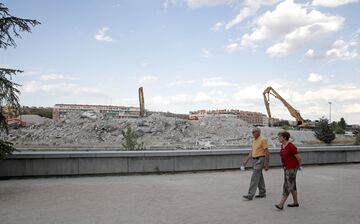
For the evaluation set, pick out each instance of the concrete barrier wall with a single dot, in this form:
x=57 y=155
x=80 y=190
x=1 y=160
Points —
x=25 y=164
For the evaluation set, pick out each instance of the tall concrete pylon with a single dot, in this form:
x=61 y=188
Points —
x=142 y=102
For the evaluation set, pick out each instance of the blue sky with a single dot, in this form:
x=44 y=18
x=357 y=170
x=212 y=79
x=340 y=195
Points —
x=191 y=54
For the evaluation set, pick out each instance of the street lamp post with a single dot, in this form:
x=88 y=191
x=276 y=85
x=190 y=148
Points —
x=330 y=112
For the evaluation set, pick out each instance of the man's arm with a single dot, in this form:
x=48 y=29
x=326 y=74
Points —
x=247 y=158
x=267 y=159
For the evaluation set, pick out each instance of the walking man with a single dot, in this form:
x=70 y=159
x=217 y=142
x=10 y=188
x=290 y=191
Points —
x=260 y=156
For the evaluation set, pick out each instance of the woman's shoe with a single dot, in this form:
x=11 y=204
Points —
x=278 y=207
x=293 y=205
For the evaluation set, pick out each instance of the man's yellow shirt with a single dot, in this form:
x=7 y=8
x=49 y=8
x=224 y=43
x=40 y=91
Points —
x=258 y=147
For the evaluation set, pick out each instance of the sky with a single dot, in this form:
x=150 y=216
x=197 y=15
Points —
x=191 y=54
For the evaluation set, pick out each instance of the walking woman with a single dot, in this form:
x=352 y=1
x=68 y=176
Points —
x=291 y=162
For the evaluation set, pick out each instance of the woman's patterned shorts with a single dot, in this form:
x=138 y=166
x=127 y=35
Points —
x=289 y=181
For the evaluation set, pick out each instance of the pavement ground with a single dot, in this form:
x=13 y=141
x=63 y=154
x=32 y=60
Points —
x=327 y=194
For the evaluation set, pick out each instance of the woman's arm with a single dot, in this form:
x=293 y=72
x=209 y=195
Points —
x=298 y=157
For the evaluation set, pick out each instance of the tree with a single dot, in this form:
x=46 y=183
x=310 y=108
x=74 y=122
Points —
x=324 y=132
x=334 y=125
x=131 y=140
x=342 y=125
x=10 y=26
x=339 y=130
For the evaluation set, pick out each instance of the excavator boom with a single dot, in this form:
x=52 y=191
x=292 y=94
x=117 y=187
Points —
x=293 y=112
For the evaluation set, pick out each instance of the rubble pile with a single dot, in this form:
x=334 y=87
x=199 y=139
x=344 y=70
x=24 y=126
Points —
x=94 y=130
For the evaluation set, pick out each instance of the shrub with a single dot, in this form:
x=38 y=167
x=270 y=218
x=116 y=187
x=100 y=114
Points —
x=357 y=137
x=131 y=140
x=324 y=132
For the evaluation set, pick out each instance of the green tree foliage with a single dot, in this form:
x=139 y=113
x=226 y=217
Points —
x=324 y=132
x=342 y=124
x=334 y=125
x=131 y=140
x=10 y=26
x=282 y=123
x=339 y=130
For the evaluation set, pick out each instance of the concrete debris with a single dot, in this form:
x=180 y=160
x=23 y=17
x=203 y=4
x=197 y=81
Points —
x=89 y=114
x=33 y=119
x=94 y=130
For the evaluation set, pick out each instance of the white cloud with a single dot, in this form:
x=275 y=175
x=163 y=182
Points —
x=217 y=26
x=293 y=25
x=232 y=47
x=312 y=103
x=309 y=54
x=332 y=3
x=216 y=81
x=88 y=92
x=148 y=79
x=342 y=50
x=181 y=82
x=133 y=102
x=52 y=77
x=313 y=77
x=354 y=108
x=249 y=8
x=165 y=4
x=249 y=93
x=339 y=93
x=187 y=99
x=61 y=88
x=254 y=92
x=206 y=52
x=207 y=3
x=101 y=36
x=36 y=86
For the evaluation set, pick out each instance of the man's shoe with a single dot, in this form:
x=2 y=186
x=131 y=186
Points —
x=293 y=205
x=260 y=196
x=248 y=197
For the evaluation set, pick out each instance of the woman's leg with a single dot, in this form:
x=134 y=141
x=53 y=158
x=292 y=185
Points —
x=295 y=197
x=286 y=191
x=293 y=189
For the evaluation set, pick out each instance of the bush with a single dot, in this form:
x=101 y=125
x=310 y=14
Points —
x=324 y=132
x=339 y=130
x=357 y=137
x=131 y=140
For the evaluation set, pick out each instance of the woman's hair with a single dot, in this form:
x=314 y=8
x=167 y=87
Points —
x=285 y=135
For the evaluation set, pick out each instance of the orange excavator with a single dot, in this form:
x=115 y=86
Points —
x=301 y=122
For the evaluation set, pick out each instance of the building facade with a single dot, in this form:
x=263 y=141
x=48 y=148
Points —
x=61 y=110
x=254 y=118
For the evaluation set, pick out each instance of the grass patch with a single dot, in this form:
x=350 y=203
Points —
x=312 y=142
x=346 y=140
x=340 y=140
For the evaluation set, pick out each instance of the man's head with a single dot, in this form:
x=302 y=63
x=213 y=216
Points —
x=256 y=132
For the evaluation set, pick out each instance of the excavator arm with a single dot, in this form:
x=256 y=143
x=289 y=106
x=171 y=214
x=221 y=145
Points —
x=293 y=112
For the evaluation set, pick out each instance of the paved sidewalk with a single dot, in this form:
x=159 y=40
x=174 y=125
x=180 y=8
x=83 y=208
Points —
x=328 y=195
